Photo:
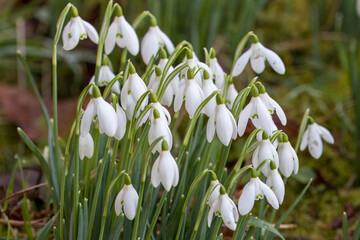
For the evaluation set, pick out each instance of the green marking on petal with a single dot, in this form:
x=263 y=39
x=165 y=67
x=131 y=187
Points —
x=119 y=35
x=254 y=116
x=83 y=36
x=69 y=35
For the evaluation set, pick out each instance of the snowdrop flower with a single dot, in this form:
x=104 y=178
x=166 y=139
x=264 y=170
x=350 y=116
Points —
x=275 y=182
x=153 y=40
x=86 y=146
x=154 y=85
x=231 y=95
x=255 y=189
x=271 y=105
x=215 y=194
x=312 y=138
x=164 y=113
x=257 y=54
x=159 y=128
x=121 y=118
x=105 y=76
x=208 y=87
x=217 y=71
x=127 y=199
x=132 y=90
x=264 y=153
x=257 y=112
x=104 y=112
x=191 y=93
x=77 y=29
x=121 y=33
x=165 y=169
x=223 y=122
x=225 y=208
x=288 y=159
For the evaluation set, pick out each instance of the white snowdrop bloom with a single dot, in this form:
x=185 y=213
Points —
x=231 y=95
x=122 y=121
x=104 y=112
x=153 y=40
x=288 y=159
x=271 y=104
x=225 y=208
x=191 y=93
x=165 y=169
x=215 y=193
x=164 y=113
x=86 y=146
x=265 y=152
x=276 y=184
x=255 y=189
x=121 y=33
x=105 y=76
x=257 y=54
x=217 y=71
x=77 y=29
x=159 y=128
x=132 y=90
x=223 y=122
x=127 y=199
x=154 y=85
x=312 y=138
x=208 y=87
x=257 y=112
x=106 y=116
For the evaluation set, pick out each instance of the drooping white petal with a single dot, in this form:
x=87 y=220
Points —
x=110 y=37
x=166 y=173
x=129 y=38
x=208 y=87
x=224 y=124
x=193 y=97
x=325 y=134
x=231 y=96
x=274 y=60
x=272 y=105
x=286 y=159
x=121 y=126
x=258 y=64
x=276 y=184
x=244 y=117
x=315 y=144
x=107 y=117
x=215 y=193
x=155 y=177
x=228 y=214
x=119 y=202
x=211 y=212
x=91 y=32
x=179 y=97
x=87 y=118
x=241 y=63
x=270 y=195
x=247 y=198
x=166 y=40
x=125 y=94
x=149 y=44
x=131 y=199
x=86 y=146
x=71 y=35
x=264 y=116
x=304 y=139
x=210 y=129
x=218 y=73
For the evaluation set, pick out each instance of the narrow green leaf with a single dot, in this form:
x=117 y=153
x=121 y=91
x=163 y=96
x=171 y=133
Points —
x=345 y=227
x=259 y=223
x=303 y=125
x=356 y=234
x=44 y=232
x=26 y=218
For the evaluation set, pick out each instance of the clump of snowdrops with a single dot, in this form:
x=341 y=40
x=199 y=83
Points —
x=130 y=170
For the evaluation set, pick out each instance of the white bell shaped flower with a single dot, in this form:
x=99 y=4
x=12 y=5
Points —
x=165 y=169
x=86 y=146
x=225 y=208
x=271 y=105
x=217 y=71
x=257 y=54
x=132 y=90
x=123 y=34
x=255 y=189
x=223 y=122
x=264 y=154
x=215 y=193
x=159 y=128
x=122 y=121
x=164 y=113
x=154 y=85
x=257 y=112
x=77 y=29
x=276 y=184
x=208 y=87
x=127 y=199
x=105 y=76
x=231 y=95
x=191 y=93
x=153 y=40
x=288 y=158
x=104 y=112
x=312 y=138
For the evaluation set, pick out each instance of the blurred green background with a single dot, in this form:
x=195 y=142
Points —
x=318 y=41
